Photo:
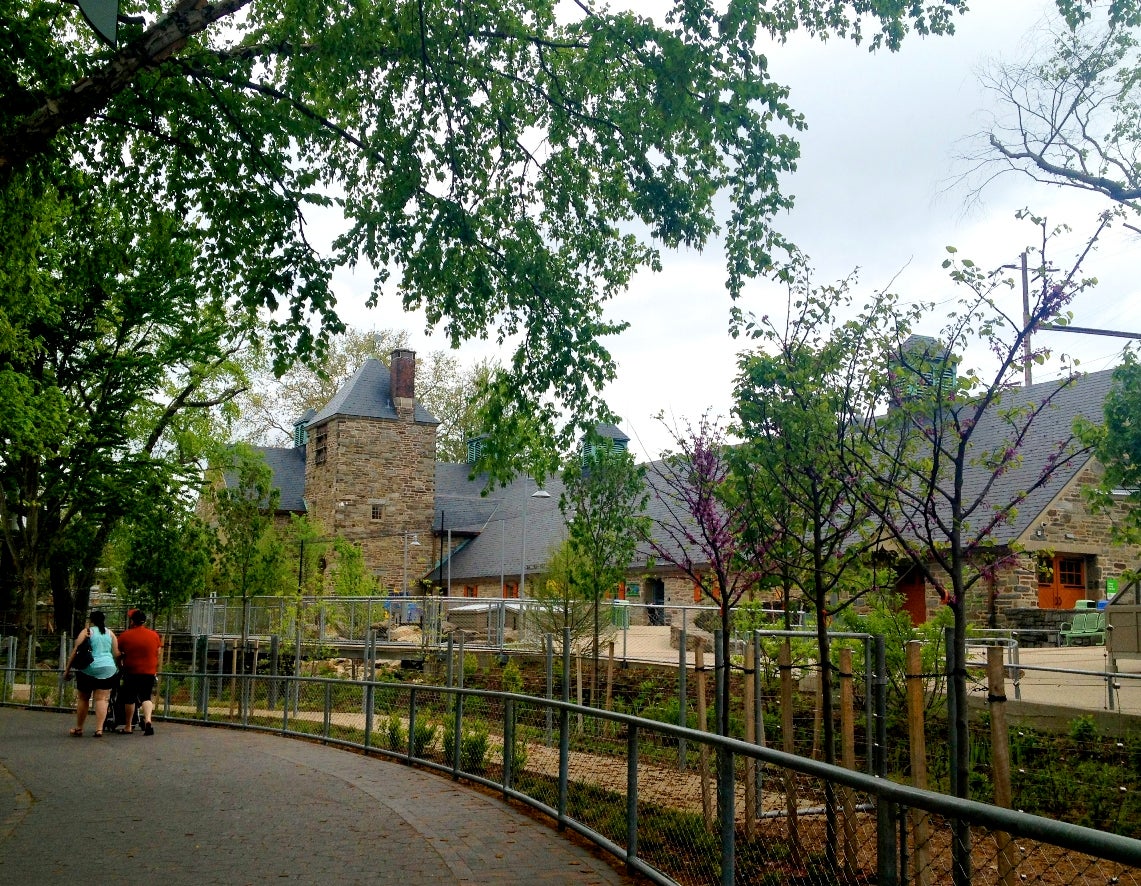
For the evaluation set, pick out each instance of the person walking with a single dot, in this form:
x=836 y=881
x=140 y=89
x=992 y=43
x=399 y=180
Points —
x=138 y=649
x=98 y=678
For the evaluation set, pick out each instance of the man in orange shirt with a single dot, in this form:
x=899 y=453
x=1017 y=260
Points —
x=138 y=654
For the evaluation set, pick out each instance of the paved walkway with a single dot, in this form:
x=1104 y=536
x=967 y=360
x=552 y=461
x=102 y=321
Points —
x=199 y=805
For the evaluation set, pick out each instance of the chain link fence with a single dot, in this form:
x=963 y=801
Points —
x=676 y=804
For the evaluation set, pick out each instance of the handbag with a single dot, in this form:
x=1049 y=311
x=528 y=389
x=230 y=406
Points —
x=83 y=655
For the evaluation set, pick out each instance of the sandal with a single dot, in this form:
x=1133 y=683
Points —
x=98 y=734
x=76 y=733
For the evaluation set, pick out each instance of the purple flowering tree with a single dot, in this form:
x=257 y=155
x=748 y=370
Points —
x=959 y=451
x=700 y=526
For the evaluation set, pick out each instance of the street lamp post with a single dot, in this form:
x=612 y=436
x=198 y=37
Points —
x=538 y=493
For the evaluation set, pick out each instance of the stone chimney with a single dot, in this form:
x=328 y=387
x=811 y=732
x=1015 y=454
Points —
x=403 y=368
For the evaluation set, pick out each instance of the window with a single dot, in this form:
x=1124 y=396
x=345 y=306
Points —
x=321 y=445
x=471 y=591
x=621 y=590
x=1071 y=572
x=377 y=511
x=511 y=589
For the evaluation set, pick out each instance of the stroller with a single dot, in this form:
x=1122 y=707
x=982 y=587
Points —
x=117 y=712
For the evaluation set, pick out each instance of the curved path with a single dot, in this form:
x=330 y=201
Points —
x=200 y=805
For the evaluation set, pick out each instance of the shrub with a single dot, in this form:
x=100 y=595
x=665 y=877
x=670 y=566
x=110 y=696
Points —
x=397 y=736
x=473 y=751
x=512 y=677
x=422 y=738
x=1083 y=729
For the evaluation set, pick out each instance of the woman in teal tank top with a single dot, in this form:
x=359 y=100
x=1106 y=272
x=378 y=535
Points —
x=98 y=678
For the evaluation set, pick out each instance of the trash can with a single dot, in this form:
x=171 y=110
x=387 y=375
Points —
x=620 y=615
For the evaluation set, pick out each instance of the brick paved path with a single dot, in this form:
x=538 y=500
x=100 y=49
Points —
x=199 y=805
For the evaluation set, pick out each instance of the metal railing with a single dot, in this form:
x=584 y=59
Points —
x=731 y=812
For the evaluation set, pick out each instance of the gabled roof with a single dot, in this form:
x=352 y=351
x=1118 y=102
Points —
x=1083 y=396
x=499 y=520
x=367 y=394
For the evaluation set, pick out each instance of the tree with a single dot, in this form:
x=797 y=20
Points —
x=798 y=397
x=350 y=576
x=603 y=498
x=557 y=603
x=111 y=354
x=700 y=526
x=168 y=550
x=933 y=463
x=250 y=557
x=491 y=162
x=1116 y=442
x=1073 y=118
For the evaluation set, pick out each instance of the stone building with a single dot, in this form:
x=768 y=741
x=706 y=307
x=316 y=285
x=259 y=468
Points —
x=364 y=468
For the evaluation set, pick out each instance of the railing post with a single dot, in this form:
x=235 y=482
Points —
x=550 y=651
x=508 y=743
x=457 y=738
x=631 y=795
x=564 y=732
x=274 y=661
x=328 y=707
x=411 y=722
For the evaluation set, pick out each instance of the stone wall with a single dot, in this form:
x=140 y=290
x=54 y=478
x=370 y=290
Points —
x=382 y=465
x=1068 y=526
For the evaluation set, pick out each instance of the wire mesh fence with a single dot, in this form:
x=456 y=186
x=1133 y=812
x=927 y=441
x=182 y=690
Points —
x=679 y=805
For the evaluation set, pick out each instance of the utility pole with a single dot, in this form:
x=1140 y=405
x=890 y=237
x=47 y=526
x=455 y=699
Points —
x=1026 y=320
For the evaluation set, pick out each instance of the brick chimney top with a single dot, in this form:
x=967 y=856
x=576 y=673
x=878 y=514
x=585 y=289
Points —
x=403 y=368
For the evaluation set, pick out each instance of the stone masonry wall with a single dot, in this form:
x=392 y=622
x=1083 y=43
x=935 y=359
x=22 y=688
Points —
x=1068 y=526
x=390 y=465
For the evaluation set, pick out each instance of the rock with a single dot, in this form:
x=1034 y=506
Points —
x=405 y=634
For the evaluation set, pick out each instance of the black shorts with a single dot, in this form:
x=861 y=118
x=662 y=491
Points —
x=137 y=688
x=87 y=684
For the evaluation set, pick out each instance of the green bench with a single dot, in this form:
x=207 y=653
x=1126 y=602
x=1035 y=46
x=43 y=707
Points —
x=1085 y=626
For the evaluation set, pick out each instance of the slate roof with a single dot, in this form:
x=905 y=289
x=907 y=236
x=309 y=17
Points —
x=500 y=517
x=1084 y=396
x=367 y=394
x=493 y=523
x=288 y=466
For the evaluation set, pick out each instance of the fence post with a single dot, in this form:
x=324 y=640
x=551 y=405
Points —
x=682 y=699
x=759 y=717
x=508 y=743
x=848 y=754
x=457 y=736
x=885 y=811
x=631 y=795
x=61 y=684
x=726 y=794
x=1000 y=756
x=703 y=765
x=274 y=661
x=564 y=732
x=411 y=722
x=550 y=651
x=751 y=687
x=918 y=744
x=784 y=664
x=720 y=669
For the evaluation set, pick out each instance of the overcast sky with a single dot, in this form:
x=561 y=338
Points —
x=875 y=190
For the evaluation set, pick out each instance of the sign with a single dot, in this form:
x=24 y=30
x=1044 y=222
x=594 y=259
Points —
x=633 y=590
x=103 y=16
x=1110 y=587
